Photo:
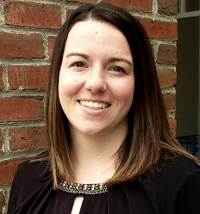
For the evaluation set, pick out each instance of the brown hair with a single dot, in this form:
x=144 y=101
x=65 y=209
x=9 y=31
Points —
x=149 y=139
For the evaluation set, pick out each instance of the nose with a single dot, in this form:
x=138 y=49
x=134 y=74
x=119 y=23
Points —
x=96 y=80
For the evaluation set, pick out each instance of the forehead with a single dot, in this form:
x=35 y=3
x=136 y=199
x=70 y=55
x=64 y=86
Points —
x=96 y=34
x=92 y=26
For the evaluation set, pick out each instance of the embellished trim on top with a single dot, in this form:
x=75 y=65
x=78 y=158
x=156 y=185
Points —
x=87 y=189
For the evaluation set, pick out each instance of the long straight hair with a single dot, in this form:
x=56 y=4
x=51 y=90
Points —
x=149 y=139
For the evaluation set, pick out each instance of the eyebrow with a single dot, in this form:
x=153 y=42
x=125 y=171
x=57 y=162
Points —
x=77 y=54
x=114 y=59
x=120 y=59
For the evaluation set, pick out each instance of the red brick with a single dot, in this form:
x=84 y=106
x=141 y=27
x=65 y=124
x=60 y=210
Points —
x=168 y=7
x=167 y=54
x=21 y=45
x=1 y=142
x=51 y=43
x=20 y=109
x=8 y=169
x=28 y=77
x=31 y=14
x=27 y=138
x=69 y=12
x=2 y=202
x=145 y=5
x=172 y=124
x=84 y=1
x=160 y=30
x=1 y=77
x=167 y=78
x=170 y=101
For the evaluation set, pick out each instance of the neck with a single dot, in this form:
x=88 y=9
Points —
x=95 y=158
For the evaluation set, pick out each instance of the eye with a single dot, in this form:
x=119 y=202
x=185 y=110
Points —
x=118 y=69
x=78 y=64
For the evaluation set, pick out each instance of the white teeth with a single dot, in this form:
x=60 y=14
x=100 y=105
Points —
x=96 y=105
x=93 y=105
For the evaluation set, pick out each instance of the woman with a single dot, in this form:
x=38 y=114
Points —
x=110 y=148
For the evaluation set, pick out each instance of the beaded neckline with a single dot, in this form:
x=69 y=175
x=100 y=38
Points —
x=87 y=189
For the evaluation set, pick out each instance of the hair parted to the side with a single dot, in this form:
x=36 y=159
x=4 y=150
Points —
x=149 y=137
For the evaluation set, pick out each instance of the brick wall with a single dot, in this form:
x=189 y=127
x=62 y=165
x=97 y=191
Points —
x=27 y=34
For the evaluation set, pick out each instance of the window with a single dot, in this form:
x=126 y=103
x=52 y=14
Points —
x=188 y=70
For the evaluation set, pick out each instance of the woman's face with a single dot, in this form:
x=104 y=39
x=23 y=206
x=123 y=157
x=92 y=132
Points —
x=96 y=82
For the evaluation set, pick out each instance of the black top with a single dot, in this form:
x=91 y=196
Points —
x=175 y=189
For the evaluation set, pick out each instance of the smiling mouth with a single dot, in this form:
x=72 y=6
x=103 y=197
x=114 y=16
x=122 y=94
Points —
x=94 y=105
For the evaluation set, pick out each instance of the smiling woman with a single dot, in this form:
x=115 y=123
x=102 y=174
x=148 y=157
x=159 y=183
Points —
x=110 y=148
x=91 y=76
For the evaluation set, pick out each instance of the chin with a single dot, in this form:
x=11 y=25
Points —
x=92 y=132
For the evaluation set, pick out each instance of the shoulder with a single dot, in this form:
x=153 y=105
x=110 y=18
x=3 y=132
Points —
x=182 y=164
x=33 y=168
x=175 y=169
x=187 y=196
x=31 y=175
x=29 y=180
x=36 y=166
x=179 y=167
x=164 y=186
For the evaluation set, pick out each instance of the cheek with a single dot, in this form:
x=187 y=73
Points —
x=125 y=93
x=127 y=96
x=68 y=84
x=67 y=88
